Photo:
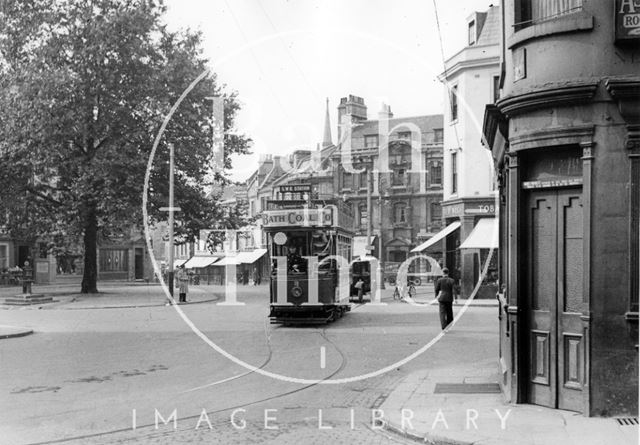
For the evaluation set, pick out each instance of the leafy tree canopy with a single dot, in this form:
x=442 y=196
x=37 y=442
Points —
x=84 y=88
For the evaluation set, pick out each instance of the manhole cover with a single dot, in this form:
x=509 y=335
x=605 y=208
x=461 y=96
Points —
x=467 y=388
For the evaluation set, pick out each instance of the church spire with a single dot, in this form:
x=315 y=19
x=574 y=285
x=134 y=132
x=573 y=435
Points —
x=326 y=138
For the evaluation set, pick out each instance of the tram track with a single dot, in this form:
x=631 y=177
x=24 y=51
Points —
x=105 y=434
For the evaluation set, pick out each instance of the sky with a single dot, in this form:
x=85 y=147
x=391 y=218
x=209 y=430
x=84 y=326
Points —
x=285 y=58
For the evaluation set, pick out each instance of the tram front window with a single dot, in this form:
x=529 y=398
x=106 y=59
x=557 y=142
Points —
x=295 y=248
x=295 y=262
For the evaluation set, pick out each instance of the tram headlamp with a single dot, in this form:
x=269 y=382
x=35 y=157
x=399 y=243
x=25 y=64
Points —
x=296 y=292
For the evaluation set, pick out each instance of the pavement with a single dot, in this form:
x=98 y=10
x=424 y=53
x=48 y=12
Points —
x=414 y=408
x=461 y=404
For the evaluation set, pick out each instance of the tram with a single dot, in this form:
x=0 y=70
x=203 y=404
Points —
x=310 y=251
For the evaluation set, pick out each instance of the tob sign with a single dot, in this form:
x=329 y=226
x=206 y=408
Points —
x=627 y=17
x=298 y=217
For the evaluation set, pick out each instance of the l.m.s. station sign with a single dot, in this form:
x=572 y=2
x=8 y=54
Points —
x=298 y=217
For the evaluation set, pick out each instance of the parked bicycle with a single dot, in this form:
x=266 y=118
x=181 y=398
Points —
x=398 y=295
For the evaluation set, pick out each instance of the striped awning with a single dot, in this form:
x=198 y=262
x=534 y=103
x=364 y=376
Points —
x=483 y=236
x=200 y=261
x=438 y=236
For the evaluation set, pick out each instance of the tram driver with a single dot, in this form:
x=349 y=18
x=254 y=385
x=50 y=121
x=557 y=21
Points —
x=295 y=262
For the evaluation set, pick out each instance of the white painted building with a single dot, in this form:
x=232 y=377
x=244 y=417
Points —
x=471 y=81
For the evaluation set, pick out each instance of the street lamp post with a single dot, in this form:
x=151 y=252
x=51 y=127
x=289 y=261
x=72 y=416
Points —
x=171 y=209
x=380 y=262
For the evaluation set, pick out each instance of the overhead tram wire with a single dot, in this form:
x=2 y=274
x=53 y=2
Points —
x=444 y=68
x=255 y=59
x=304 y=77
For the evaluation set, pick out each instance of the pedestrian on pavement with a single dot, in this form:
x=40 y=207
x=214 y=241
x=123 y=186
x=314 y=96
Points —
x=183 y=284
x=444 y=292
x=360 y=287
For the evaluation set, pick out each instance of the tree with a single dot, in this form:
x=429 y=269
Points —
x=84 y=87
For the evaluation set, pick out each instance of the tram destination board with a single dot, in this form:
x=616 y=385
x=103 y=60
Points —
x=295 y=188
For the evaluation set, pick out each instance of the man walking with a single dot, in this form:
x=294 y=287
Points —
x=444 y=292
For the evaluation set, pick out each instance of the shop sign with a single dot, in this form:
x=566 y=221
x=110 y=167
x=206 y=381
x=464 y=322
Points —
x=627 y=17
x=449 y=211
x=282 y=205
x=295 y=188
x=566 y=182
x=298 y=217
x=481 y=209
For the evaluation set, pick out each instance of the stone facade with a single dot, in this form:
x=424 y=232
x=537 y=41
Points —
x=405 y=196
x=566 y=141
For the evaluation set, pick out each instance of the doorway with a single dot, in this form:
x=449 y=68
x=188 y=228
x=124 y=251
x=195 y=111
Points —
x=139 y=264
x=554 y=299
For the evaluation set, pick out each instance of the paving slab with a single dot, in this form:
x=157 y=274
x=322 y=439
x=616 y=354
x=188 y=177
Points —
x=413 y=409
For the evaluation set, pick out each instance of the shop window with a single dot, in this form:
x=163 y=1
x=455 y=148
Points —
x=114 y=260
x=530 y=12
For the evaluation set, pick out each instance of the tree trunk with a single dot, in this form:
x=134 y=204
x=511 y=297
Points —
x=90 y=276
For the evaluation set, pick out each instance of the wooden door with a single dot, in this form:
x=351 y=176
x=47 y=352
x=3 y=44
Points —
x=554 y=292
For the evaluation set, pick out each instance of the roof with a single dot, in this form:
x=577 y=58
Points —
x=426 y=124
x=492 y=29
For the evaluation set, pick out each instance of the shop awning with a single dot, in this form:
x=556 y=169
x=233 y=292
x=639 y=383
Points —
x=438 y=236
x=360 y=245
x=178 y=263
x=242 y=258
x=483 y=236
x=228 y=260
x=250 y=257
x=200 y=261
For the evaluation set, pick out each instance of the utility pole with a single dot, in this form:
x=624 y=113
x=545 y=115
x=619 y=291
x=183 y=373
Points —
x=380 y=207
x=369 y=219
x=170 y=209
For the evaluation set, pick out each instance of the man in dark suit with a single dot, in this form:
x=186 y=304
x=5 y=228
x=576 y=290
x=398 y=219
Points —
x=444 y=292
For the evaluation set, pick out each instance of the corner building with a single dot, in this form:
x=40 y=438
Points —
x=565 y=137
